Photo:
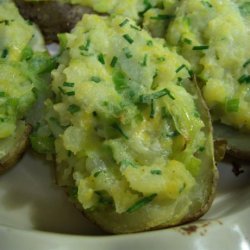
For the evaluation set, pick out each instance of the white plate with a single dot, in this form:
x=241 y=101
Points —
x=36 y=215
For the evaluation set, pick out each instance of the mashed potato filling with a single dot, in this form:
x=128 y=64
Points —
x=128 y=133
x=214 y=37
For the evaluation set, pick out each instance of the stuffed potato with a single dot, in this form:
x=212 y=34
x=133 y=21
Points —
x=23 y=64
x=133 y=138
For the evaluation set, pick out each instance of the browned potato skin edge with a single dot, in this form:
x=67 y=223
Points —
x=12 y=158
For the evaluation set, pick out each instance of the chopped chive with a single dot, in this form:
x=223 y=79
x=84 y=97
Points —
x=86 y=46
x=202 y=47
x=201 y=149
x=118 y=128
x=5 y=53
x=127 y=52
x=101 y=58
x=61 y=90
x=73 y=191
x=246 y=63
x=96 y=79
x=156 y=95
x=135 y=27
x=124 y=23
x=156 y=172
x=94 y=113
x=150 y=43
x=180 y=68
x=128 y=38
x=244 y=79
x=152 y=112
x=73 y=108
x=68 y=84
x=139 y=204
x=69 y=153
x=127 y=163
x=71 y=93
x=145 y=60
x=2 y=94
x=187 y=41
x=114 y=61
x=162 y=17
x=197 y=114
x=182 y=188
x=104 y=198
x=233 y=105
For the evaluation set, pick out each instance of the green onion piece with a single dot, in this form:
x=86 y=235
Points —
x=114 y=61
x=95 y=79
x=104 y=198
x=120 y=81
x=244 y=79
x=145 y=60
x=156 y=172
x=124 y=23
x=161 y=59
x=61 y=90
x=150 y=43
x=180 y=68
x=202 y=47
x=152 y=112
x=147 y=98
x=71 y=93
x=118 y=128
x=202 y=149
x=246 y=63
x=162 y=17
x=5 y=53
x=86 y=46
x=139 y=204
x=101 y=58
x=2 y=94
x=135 y=27
x=187 y=41
x=128 y=38
x=73 y=108
x=6 y=22
x=233 y=105
x=68 y=84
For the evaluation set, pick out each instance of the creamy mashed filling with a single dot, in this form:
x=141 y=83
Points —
x=128 y=133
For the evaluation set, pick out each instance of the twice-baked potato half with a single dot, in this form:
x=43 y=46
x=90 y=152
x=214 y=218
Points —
x=133 y=137
x=23 y=63
x=214 y=37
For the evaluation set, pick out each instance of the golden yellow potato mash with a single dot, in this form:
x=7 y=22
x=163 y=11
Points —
x=132 y=136
x=214 y=37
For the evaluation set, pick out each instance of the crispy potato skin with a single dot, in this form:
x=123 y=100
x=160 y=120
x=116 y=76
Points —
x=17 y=152
x=52 y=17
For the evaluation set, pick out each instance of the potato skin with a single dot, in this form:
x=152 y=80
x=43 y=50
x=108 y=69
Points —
x=17 y=152
x=52 y=17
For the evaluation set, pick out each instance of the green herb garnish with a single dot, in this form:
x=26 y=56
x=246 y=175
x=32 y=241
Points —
x=207 y=4
x=139 y=204
x=5 y=53
x=147 y=98
x=119 y=129
x=124 y=23
x=162 y=17
x=69 y=84
x=86 y=46
x=246 y=63
x=152 y=106
x=101 y=59
x=145 y=60
x=2 y=94
x=202 y=47
x=156 y=172
x=95 y=79
x=135 y=27
x=70 y=93
x=114 y=61
x=150 y=43
x=187 y=41
x=127 y=52
x=73 y=108
x=128 y=38
x=244 y=79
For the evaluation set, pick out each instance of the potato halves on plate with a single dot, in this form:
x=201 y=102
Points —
x=133 y=137
x=23 y=63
